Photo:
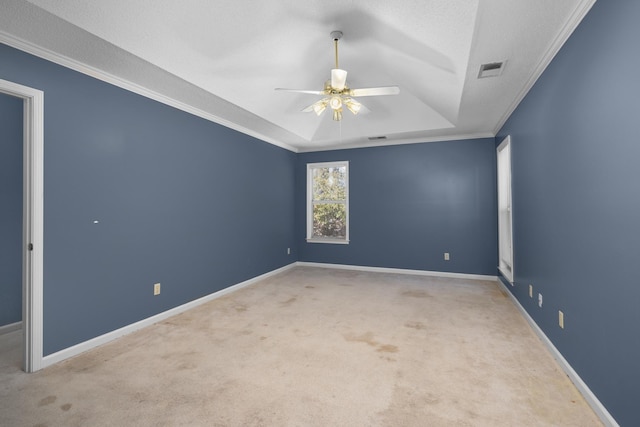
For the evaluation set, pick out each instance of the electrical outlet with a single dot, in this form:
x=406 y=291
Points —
x=530 y=291
x=539 y=300
x=156 y=289
x=561 y=319
x=446 y=256
x=288 y=251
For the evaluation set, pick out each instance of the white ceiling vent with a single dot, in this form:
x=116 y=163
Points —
x=491 y=69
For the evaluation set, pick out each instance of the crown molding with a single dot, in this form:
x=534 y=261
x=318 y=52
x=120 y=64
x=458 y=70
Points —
x=388 y=143
x=56 y=58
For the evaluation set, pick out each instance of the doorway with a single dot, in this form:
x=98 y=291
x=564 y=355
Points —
x=32 y=220
x=11 y=143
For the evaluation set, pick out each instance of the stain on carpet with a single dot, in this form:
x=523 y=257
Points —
x=288 y=302
x=416 y=294
x=186 y=366
x=66 y=407
x=47 y=401
x=415 y=325
x=367 y=338
x=387 y=348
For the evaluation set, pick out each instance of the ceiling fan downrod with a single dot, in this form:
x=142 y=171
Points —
x=336 y=35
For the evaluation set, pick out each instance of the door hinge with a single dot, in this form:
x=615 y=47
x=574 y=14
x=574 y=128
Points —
x=30 y=246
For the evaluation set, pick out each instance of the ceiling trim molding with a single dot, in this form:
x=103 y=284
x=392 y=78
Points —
x=387 y=143
x=62 y=60
x=56 y=58
x=572 y=23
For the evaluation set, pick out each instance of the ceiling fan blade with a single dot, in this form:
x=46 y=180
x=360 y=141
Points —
x=363 y=110
x=311 y=92
x=375 y=91
x=309 y=108
x=338 y=79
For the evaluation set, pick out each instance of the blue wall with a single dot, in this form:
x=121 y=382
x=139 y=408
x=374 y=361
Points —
x=411 y=203
x=10 y=209
x=199 y=207
x=179 y=200
x=576 y=203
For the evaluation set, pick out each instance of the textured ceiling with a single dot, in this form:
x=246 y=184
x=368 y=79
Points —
x=222 y=60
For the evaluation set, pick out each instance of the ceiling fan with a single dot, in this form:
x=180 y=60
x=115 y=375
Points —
x=336 y=92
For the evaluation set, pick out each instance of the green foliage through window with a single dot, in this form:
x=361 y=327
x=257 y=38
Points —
x=329 y=220
x=329 y=189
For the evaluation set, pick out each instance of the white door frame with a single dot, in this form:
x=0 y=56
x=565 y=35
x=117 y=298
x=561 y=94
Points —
x=32 y=221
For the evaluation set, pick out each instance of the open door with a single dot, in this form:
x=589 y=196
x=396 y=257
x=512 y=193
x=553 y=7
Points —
x=33 y=219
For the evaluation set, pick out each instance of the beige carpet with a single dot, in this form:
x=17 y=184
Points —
x=313 y=347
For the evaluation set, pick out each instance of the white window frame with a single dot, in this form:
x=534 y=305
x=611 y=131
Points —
x=310 y=203
x=505 y=210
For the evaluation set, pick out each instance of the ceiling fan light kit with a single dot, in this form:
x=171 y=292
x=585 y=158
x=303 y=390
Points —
x=353 y=105
x=319 y=107
x=337 y=93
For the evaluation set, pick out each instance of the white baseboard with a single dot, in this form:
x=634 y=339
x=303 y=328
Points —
x=5 y=329
x=588 y=395
x=398 y=271
x=110 y=336
x=61 y=355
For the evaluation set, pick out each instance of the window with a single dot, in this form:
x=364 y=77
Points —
x=505 y=226
x=328 y=202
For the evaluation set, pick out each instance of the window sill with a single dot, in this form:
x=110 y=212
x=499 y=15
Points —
x=331 y=241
